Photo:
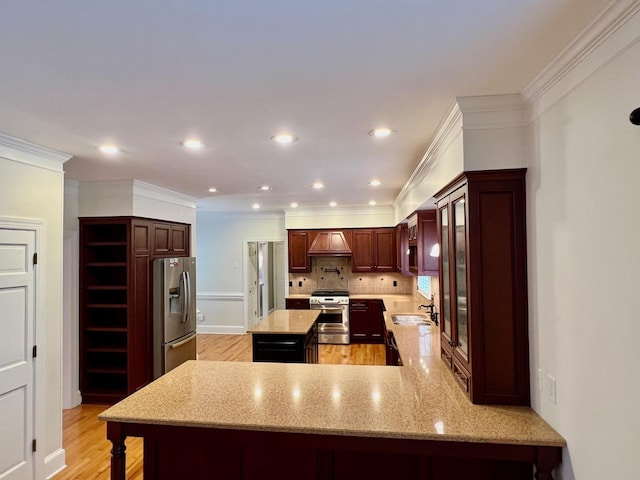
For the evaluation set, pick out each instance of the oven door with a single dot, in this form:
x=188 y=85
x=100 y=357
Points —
x=329 y=313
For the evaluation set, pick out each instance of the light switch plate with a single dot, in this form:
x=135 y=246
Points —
x=539 y=379
x=550 y=387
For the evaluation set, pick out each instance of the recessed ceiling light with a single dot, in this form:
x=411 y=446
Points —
x=109 y=149
x=375 y=182
x=213 y=189
x=372 y=202
x=333 y=204
x=192 y=144
x=284 y=138
x=264 y=188
x=318 y=185
x=380 y=132
x=255 y=206
x=293 y=205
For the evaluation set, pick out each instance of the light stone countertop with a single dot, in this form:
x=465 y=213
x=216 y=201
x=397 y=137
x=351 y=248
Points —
x=297 y=322
x=419 y=400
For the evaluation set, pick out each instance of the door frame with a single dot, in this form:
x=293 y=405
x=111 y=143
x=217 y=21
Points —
x=245 y=266
x=39 y=326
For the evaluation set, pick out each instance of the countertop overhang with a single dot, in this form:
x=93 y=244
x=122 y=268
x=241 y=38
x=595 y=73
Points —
x=418 y=401
x=295 y=322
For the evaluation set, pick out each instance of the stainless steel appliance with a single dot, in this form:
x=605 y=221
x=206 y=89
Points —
x=174 y=313
x=333 y=322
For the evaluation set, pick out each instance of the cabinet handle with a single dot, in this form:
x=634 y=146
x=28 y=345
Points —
x=452 y=343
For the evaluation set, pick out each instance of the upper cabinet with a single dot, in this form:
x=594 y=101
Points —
x=170 y=239
x=427 y=239
x=483 y=285
x=402 y=248
x=422 y=237
x=374 y=250
x=299 y=261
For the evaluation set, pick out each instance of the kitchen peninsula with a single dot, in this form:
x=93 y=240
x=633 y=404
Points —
x=284 y=420
x=286 y=336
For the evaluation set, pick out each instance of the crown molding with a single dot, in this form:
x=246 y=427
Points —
x=29 y=153
x=225 y=215
x=339 y=211
x=493 y=111
x=610 y=21
x=154 y=192
x=450 y=127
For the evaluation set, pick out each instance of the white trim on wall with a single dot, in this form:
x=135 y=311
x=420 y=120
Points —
x=234 y=296
x=587 y=53
x=31 y=154
x=220 y=330
x=54 y=463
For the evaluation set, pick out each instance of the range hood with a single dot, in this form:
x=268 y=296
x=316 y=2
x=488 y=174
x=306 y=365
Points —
x=330 y=244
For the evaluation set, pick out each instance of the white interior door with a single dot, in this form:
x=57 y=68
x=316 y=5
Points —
x=252 y=284
x=17 y=300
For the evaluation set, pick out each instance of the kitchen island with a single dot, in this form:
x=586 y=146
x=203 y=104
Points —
x=282 y=420
x=286 y=336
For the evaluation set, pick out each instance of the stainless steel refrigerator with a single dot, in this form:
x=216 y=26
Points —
x=174 y=313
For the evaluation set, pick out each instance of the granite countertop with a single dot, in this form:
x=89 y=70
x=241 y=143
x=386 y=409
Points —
x=419 y=400
x=297 y=322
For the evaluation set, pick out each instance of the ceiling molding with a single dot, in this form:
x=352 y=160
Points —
x=31 y=154
x=618 y=13
x=450 y=127
x=493 y=111
x=147 y=190
x=227 y=215
x=338 y=211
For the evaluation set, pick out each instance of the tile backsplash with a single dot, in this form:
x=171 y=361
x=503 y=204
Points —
x=335 y=273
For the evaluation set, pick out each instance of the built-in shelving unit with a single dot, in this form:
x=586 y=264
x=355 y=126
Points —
x=116 y=254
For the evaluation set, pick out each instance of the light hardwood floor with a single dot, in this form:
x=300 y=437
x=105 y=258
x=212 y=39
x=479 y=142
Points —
x=85 y=437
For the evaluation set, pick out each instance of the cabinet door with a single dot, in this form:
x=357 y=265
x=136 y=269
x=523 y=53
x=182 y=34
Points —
x=459 y=224
x=376 y=321
x=362 y=249
x=179 y=239
x=161 y=238
x=402 y=249
x=446 y=324
x=385 y=250
x=427 y=239
x=298 y=259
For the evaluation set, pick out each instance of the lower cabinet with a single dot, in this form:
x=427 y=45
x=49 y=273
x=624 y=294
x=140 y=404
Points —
x=366 y=321
x=391 y=349
x=286 y=348
x=297 y=303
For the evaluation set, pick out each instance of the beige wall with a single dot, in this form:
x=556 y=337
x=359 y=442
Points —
x=36 y=193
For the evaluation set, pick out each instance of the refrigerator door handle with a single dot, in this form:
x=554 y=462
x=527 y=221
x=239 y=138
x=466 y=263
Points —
x=185 y=295
x=187 y=277
x=183 y=342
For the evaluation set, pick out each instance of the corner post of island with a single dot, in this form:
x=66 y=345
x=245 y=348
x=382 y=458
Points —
x=118 y=455
x=547 y=459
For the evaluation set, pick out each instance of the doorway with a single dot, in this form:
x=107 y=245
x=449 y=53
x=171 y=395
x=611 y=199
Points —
x=265 y=284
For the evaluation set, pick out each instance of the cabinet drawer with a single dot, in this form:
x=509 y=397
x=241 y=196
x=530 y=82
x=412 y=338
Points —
x=447 y=357
x=462 y=376
x=297 y=303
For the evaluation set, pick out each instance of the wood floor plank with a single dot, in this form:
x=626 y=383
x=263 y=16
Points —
x=85 y=437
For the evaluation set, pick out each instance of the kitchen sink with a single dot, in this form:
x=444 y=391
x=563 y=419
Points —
x=410 y=319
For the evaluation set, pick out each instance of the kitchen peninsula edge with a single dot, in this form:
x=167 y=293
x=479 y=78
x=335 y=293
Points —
x=334 y=421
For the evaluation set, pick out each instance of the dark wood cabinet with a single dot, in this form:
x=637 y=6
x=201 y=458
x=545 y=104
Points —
x=402 y=249
x=286 y=348
x=391 y=349
x=483 y=285
x=297 y=304
x=374 y=250
x=298 y=248
x=170 y=239
x=427 y=239
x=116 y=254
x=366 y=321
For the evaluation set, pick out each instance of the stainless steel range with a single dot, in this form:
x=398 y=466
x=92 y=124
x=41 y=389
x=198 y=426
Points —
x=333 y=322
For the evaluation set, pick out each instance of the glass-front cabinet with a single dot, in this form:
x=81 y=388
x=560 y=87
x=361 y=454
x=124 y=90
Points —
x=483 y=285
x=452 y=222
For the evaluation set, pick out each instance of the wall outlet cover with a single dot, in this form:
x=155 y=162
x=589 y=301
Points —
x=550 y=387
x=539 y=376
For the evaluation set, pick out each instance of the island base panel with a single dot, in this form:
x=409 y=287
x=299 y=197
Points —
x=203 y=453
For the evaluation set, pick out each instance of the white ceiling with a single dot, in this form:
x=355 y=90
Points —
x=147 y=74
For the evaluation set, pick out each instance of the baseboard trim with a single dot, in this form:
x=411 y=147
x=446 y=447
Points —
x=54 y=463
x=221 y=329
